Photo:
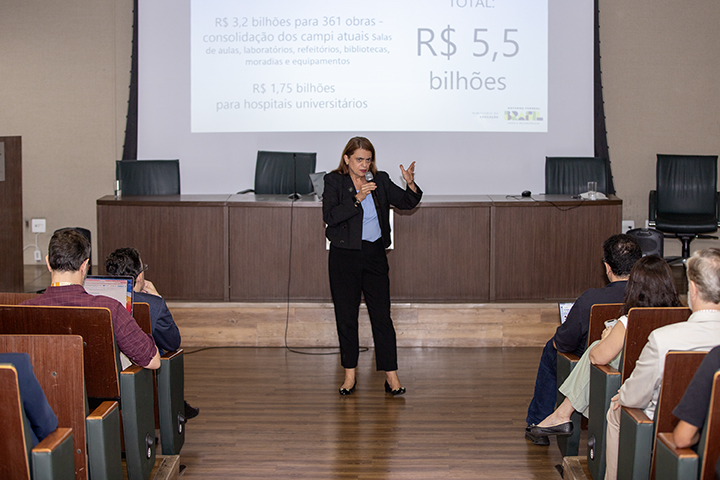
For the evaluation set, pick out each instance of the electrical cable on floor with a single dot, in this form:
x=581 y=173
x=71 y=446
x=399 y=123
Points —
x=287 y=309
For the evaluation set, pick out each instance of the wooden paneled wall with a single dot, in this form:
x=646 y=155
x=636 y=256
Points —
x=11 y=219
x=465 y=249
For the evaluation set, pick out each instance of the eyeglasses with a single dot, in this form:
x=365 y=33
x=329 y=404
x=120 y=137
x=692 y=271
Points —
x=145 y=267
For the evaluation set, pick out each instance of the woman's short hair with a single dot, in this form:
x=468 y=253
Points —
x=651 y=284
x=124 y=262
x=353 y=144
x=68 y=249
x=703 y=268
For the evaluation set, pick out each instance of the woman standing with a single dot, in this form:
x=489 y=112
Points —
x=356 y=209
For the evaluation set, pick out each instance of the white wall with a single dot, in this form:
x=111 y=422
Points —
x=660 y=76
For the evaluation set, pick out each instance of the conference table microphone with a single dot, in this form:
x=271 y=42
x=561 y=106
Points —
x=294 y=195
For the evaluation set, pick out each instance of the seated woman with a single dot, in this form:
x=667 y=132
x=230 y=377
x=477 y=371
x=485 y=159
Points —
x=650 y=285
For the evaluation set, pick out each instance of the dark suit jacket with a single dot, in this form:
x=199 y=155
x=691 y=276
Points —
x=164 y=330
x=572 y=335
x=345 y=220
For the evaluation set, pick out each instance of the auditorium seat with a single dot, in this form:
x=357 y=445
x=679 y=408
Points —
x=638 y=433
x=170 y=394
x=605 y=381
x=672 y=463
x=58 y=365
x=599 y=314
x=53 y=457
x=103 y=378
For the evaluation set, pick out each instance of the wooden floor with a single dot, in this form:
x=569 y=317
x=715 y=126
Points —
x=269 y=413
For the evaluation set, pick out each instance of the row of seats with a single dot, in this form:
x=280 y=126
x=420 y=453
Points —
x=638 y=434
x=142 y=402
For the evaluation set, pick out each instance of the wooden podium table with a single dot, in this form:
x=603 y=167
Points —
x=450 y=249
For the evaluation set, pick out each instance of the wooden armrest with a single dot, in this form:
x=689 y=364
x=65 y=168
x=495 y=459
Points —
x=669 y=441
x=52 y=441
x=103 y=410
x=607 y=369
x=637 y=415
x=132 y=369
x=570 y=356
x=172 y=354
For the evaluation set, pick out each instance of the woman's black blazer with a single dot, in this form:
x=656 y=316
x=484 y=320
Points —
x=345 y=220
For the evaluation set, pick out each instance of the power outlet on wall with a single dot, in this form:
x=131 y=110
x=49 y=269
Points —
x=627 y=225
x=38 y=225
x=38 y=256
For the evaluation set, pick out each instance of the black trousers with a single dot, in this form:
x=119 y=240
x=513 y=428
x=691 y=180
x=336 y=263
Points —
x=365 y=271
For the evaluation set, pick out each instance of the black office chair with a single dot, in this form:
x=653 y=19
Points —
x=570 y=175
x=148 y=177
x=685 y=203
x=283 y=173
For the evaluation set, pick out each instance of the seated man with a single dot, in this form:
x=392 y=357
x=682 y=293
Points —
x=37 y=410
x=68 y=258
x=126 y=262
x=693 y=408
x=700 y=332
x=620 y=252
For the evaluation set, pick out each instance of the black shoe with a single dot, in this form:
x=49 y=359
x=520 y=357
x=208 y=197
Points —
x=190 y=411
x=561 y=429
x=348 y=391
x=540 y=441
x=394 y=393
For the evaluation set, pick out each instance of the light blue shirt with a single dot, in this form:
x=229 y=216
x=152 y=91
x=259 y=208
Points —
x=371 y=225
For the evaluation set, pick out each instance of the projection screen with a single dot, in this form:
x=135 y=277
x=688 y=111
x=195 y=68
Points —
x=477 y=92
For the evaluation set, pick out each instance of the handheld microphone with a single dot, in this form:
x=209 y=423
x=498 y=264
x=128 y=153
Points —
x=369 y=177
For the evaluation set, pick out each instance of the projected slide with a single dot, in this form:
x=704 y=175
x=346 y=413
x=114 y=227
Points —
x=438 y=65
